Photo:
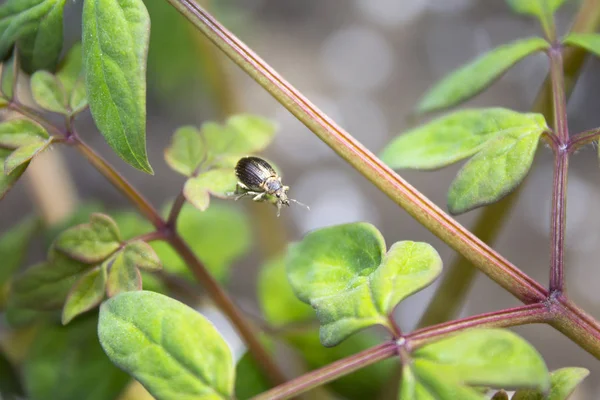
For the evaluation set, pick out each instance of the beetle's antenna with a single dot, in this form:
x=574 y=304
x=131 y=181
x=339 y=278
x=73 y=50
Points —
x=301 y=204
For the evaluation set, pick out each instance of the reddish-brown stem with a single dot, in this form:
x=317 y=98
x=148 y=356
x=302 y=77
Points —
x=36 y=117
x=527 y=314
x=149 y=237
x=175 y=210
x=582 y=139
x=330 y=372
x=561 y=128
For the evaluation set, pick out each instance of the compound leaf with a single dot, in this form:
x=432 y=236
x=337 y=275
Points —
x=6 y=180
x=20 y=132
x=86 y=294
x=48 y=93
x=22 y=155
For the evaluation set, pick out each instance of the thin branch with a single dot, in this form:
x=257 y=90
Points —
x=176 y=210
x=149 y=237
x=330 y=372
x=558 y=221
x=418 y=206
x=527 y=314
x=581 y=139
x=36 y=117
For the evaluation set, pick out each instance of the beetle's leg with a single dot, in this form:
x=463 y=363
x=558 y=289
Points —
x=278 y=209
x=285 y=189
x=259 y=196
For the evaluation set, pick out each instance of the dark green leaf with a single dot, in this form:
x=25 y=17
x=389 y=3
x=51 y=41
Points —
x=216 y=182
x=92 y=242
x=485 y=357
x=344 y=273
x=13 y=247
x=24 y=154
x=86 y=294
x=562 y=384
x=41 y=48
x=19 y=132
x=48 y=92
x=495 y=171
x=454 y=137
x=167 y=346
x=7 y=181
x=123 y=275
x=472 y=78
x=115 y=46
x=67 y=363
x=186 y=151
x=10 y=385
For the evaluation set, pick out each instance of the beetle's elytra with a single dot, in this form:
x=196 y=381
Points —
x=257 y=178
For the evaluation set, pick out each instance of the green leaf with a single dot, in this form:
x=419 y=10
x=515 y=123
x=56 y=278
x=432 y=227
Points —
x=70 y=75
x=495 y=171
x=250 y=380
x=485 y=357
x=474 y=77
x=228 y=241
x=13 y=247
x=456 y=136
x=542 y=9
x=587 y=41
x=115 y=47
x=92 y=242
x=123 y=275
x=10 y=70
x=48 y=92
x=344 y=273
x=67 y=362
x=6 y=180
x=277 y=300
x=141 y=255
x=170 y=348
x=19 y=132
x=24 y=154
x=562 y=384
x=86 y=294
x=41 y=48
x=45 y=286
x=186 y=151
x=438 y=386
x=10 y=385
x=216 y=182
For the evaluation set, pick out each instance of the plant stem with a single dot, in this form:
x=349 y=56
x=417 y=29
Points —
x=35 y=117
x=418 y=206
x=581 y=139
x=176 y=210
x=527 y=314
x=331 y=372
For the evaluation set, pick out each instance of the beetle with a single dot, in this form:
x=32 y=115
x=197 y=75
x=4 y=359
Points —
x=257 y=178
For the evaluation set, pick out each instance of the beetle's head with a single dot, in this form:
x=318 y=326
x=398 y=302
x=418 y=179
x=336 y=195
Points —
x=282 y=197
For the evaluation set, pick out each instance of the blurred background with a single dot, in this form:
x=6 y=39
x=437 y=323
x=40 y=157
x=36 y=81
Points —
x=365 y=63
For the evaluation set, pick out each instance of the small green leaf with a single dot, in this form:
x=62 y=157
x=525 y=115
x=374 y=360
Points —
x=70 y=69
x=562 y=384
x=78 y=99
x=474 y=77
x=345 y=275
x=216 y=182
x=67 y=362
x=542 y=9
x=41 y=48
x=495 y=171
x=123 y=275
x=587 y=41
x=7 y=181
x=48 y=92
x=92 y=242
x=186 y=151
x=142 y=255
x=19 y=132
x=456 y=136
x=115 y=47
x=13 y=247
x=486 y=357
x=9 y=74
x=24 y=154
x=167 y=346
x=45 y=286
x=86 y=294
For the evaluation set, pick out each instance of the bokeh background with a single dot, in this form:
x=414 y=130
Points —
x=365 y=63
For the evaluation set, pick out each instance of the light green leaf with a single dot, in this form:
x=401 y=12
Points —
x=278 y=303
x=7 y=181
x=456 y=136
x=250 y=379
x=562 y=384
x=78 y=99
x=587 y=41
x=439 y=386
x=86 y=294
x=115 y=47
x=9 y=75
x=70 y=69
x=344 y=273
x=170 y=348
x=495 y=171
x=141 y=255
x=19 y=132
x=24 y=154
x=40 y=49
x=13 y=247
x=228 y=241
x=542 y=9
x=48 y=92
x=186 y=151
x=216 y=182
x=45 y=286
x=92 y=242
x=123 y=275
x=67 y=362
x=485 y=357
x=474 y=77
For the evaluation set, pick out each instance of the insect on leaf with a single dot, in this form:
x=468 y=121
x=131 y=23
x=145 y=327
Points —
x=474 y=77
x=345 y=274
